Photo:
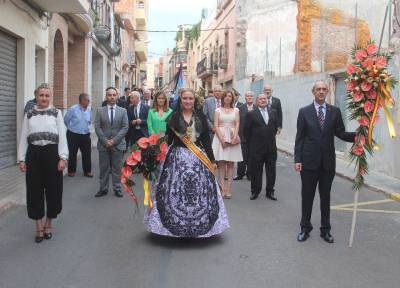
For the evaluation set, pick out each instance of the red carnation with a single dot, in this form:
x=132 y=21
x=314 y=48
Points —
x=363 y=121
x=357 y=150
x=360 y=55
x=360 y=139
x=351 y=69
x=366 y=86
x=351 y=85
x=380 y=62
x=371 y=49
x=372 y=94
x=358 y=96
x=367 y=63
x=368 y=106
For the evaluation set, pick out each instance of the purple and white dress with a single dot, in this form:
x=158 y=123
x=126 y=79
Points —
x=187 y=199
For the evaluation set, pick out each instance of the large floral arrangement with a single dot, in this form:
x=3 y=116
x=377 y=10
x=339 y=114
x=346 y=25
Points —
x=145 y=157
x=369 y=85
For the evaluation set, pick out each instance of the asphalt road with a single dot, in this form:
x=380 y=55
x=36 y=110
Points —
x=99 y=243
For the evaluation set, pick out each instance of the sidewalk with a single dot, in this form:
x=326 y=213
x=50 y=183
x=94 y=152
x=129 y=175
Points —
x=387 y=185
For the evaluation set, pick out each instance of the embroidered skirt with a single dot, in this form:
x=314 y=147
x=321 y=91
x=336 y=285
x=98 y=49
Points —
x=187 y=200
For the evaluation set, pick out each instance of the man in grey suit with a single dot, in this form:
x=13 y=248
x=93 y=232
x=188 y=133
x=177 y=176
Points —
x=209 y=106
x=111 y=126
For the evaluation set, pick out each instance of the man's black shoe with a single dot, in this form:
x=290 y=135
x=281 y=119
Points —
x=253 y=196
x=118 y=194
x=237 y=178
x=303 y=236
x=100 y=194
x=327 y=237
x=271 y=196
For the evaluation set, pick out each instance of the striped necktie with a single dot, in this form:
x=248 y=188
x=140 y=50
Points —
x=321 y=116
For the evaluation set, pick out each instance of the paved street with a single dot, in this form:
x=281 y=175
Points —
x=99 y=243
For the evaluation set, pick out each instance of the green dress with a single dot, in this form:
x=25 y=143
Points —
x=157 y=124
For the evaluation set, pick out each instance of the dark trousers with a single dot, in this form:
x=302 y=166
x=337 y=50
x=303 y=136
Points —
x=136 y=134
x=84 y=143
x=243 y=168
x=309 y=181
x=257 y=162
x=44 y=183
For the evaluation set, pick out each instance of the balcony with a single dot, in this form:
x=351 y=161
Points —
x=102 y=32
x=141 y=50
x=83 y=21
x=62 y=6
x=128 y=20
x=202 y=69
x=140 y=16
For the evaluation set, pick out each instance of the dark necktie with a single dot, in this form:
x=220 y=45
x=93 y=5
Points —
x=321 y=117
x=112 y=116
x=269 y=103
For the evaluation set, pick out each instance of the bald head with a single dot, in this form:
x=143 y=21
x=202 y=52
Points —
x=217 y=91
x=267 y=90
x=320 y=91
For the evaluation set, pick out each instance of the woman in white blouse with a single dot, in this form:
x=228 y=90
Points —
x=42 y=154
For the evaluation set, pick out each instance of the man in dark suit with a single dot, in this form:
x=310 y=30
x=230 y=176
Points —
x=123 y=101
x=259 y=132
x=314 y=156
x=243 y=167
x=209 y=106
x=137 y=116
x=274 y=103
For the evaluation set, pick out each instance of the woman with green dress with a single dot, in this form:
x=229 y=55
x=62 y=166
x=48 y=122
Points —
x=158 y=114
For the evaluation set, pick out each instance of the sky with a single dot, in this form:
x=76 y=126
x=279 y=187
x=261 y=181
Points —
x=167 y=15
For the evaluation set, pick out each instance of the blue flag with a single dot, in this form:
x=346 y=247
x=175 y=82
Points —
x=178 y=85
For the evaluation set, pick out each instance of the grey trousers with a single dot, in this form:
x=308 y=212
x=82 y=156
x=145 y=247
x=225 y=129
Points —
x=110 y=159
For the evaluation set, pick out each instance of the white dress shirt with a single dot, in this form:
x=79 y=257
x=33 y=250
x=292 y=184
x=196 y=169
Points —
x=109 y=111
x=264 y=113
x=316 y=105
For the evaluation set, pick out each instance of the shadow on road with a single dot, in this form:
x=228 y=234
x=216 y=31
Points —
x=184 y=243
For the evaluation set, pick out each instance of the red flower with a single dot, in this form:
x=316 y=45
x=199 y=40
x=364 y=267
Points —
x=364 y=121
x=358 y=96
x=360 y=139
x=134 y=158
x=124 y=180
x=163 y=151
x=153 y=139
x=351 y=85
x=357 y=150
x=126 y=171
x=372 y=94
x=368 y=106
x=366 y=86
x=367 y=63
x=371 y=49
x=360 y=55
x=380 y=62
x=143 y=142
x=351 y=69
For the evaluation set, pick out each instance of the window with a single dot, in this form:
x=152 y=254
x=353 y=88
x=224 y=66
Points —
x=140 y=5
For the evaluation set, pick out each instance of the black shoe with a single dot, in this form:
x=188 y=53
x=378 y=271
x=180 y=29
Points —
x=39 y=238
x=248 y=178
x=327 y=237
x=271 y=197
x=237 y=178
x=118 y=194
x=100 y=194
x=47 y=235
x=303 y=236
x=253 y=196
x=89 y=174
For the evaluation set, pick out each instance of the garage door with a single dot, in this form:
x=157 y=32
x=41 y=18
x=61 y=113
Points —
x=8 y=99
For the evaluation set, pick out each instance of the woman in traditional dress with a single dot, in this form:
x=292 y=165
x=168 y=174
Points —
x=187 y=200
x=225 y=145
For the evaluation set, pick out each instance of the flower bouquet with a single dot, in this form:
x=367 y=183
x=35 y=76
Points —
x=145 y=158
x=368 y=86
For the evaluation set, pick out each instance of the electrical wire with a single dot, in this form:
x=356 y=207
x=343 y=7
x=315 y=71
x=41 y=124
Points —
x=175 y=31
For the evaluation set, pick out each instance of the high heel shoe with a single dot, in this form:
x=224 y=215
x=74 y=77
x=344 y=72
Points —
x=39 y=238
x=47 y=235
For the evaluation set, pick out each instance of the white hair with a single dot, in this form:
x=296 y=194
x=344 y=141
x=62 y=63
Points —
x=251 y=93
x=135 y=93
